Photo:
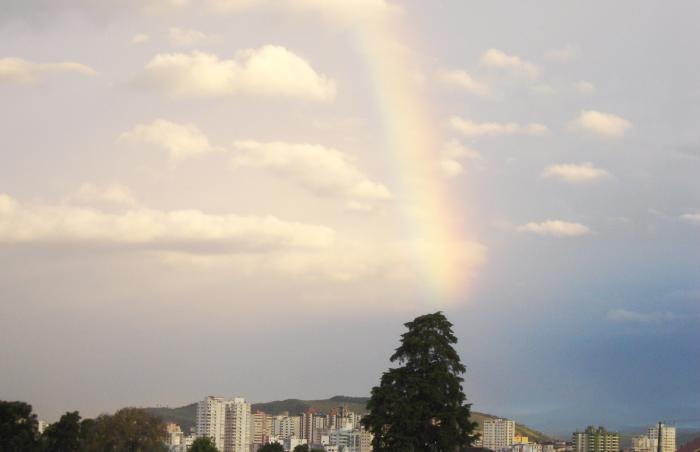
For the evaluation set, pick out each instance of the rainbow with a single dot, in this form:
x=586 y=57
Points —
x=414 y=139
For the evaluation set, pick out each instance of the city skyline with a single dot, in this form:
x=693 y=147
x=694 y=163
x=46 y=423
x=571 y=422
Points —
x=251 y=197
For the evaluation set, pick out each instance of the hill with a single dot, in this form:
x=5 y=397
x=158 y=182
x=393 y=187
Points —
x=185 y=415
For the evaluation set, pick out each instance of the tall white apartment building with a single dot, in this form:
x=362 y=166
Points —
x=348 y=440
x=668 y=437
x=286 y=426
x=174 y=438
x=498 y=434
x=260 y=427
x=226 y=422
x=643 y=443
x=211 y=414
x=42 y=426
x=237 y=426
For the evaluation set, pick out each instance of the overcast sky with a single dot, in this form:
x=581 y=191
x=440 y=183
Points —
x=250 y=197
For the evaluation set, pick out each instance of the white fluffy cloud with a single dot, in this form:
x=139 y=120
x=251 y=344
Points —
x=575 y=173
x=110 y=195
x=691 y=218
x=140 y=38
x=183 y=230
x=18 y=70
x=556 y=228
x=470 y=128
x=266 y=71
x=564 y=54
x=461 y=79
x=452 y=152
x=498 y=59
x=160 y=6
x=321 y=170
x=180 y=140
x=185 y=37
x=338 y=11
x=585 y=87
x=605 y=125
x=243 y=245
x=627 y=316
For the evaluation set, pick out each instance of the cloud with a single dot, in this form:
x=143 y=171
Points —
x=111 y=195
x=689 y=150
x=556 y=228
x=160 y=6
x=44 y=12
x=606 y=125
x=693 y=218
x=23 y=72
x=473 y=129
x=321 y=170
x=181 y=230
x=266 y=71
x=464 y=81
x=392 y=264
x=242 y=245
x=188 y=37
x=180 y=140
x=452 y=152
x=575 y=173
x=626 y=316
x=498 y=59
x=336 y=11
x=582 y=86
x=565 y=54
x=140 y=38
x=544 y=89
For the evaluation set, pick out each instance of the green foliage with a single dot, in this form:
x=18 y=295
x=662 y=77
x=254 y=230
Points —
x=203 y=445
x=301 y=448
x=64 y=435
x=272 y=447
x=18 y=427
x=129 y=429
x=420 y=405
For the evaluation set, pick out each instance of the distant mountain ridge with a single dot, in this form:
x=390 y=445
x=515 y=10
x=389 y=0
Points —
x=185 y=415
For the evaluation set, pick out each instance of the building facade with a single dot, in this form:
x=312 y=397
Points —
x=237 y=426
x=211 y=413
x=226 y=422
x=596 y=440
x=261 y=428
x=284 y=426
x=498 y=434
x=668 y=437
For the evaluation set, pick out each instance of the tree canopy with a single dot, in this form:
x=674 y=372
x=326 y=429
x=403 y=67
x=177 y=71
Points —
x=420 y=405
x=306 y=448
x=19 y=428
x=129 y=429
x=272 y=447
x=203 y=445
x=64 y=435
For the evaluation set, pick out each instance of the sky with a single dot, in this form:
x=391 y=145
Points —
x=250 y=197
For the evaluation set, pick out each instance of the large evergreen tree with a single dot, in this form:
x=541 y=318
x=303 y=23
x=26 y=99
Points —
x=64 y=435
x=18 y=427
x=420 y=406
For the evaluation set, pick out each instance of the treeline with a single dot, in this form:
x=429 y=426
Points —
x=129 y=429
